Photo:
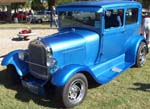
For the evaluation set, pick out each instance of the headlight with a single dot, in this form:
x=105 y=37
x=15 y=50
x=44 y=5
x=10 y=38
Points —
x=21 y=55
x=49 y=51
x=51 y=62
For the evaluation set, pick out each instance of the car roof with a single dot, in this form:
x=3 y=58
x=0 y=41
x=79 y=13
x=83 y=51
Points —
x=100 y=3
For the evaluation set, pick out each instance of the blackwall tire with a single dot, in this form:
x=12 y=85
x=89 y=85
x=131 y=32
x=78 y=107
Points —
x=40 y=21
x=74 y=92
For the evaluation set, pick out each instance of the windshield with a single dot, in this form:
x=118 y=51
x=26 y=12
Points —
x=79 y=19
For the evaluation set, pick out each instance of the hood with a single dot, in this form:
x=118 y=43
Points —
x=70 y=46
x=68 y=39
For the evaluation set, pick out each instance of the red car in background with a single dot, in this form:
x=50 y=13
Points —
x=21 y=15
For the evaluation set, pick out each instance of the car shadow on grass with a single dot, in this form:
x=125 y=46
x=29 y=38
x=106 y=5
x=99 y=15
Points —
x=24 y=95
x=142 y=87
x=2 y=56
x=19 y=39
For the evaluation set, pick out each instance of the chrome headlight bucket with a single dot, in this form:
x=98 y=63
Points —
x=49 y=51
x=51 y=62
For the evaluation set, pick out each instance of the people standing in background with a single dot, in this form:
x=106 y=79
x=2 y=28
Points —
x=146 y=28
x=53 y=17
x=30 y=16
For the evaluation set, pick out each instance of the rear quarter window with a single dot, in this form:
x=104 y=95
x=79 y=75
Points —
x=131 y=16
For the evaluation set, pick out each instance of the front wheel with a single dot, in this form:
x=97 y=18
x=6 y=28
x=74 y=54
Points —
x=74 y=92
x=141 y=55
x=40 y=21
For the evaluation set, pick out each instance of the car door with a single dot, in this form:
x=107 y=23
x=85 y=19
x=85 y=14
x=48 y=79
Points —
x=132 y=21
x=114 y=37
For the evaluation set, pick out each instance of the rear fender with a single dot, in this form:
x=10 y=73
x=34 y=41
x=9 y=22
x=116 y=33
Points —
x=133 y=48
x=12 y=59
x=62 y=76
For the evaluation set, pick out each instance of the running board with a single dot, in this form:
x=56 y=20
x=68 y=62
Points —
x=115 y=69
x=109 y=74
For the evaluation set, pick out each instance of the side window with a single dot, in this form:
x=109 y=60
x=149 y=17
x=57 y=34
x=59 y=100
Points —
x=114 y=18
x=131 y=15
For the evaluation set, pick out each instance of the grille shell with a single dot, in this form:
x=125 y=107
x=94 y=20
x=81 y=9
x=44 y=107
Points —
x=38 y=59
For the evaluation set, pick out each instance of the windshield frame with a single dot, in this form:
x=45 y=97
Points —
x=95 y=9
x=94 y=25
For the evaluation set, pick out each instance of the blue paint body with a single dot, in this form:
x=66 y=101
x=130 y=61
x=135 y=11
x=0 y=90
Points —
x=96 y=52
x=12 y=59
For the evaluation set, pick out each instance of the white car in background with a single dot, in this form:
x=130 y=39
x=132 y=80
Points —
x=41 y=16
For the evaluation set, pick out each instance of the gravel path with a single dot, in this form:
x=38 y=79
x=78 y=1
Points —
x=9 y=42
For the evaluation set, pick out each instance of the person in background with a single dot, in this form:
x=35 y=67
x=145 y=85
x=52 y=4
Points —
x=30 y=16
x=146 y=28
x=53 y=17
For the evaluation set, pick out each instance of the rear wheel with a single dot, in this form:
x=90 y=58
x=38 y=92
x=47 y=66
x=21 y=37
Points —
x=141 y=55
x=74 y=92
x=39 y=20
x=13 y=76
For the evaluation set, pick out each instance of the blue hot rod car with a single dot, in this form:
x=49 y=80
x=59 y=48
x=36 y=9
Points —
x=97 y=39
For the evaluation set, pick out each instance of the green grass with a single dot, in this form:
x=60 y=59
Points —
x=131 y=90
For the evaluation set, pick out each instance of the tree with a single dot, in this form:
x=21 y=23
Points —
x=146 y=4
x=28 y=4
x=66 y=1
x=37 y=5
x=51 y=3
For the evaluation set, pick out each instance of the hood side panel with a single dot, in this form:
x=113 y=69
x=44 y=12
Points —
x=74 y=47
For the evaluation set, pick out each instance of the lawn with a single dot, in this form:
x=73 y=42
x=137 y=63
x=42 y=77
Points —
x=131 y=90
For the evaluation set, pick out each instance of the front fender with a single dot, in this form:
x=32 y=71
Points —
x=62 y=76
x=133 y=48
x=12 y=58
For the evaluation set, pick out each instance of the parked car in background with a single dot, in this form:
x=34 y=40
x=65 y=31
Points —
x=96 y=39
x=41 y=16
x=21 y=15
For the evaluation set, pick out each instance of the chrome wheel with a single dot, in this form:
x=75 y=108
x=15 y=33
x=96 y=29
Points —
x=142 y=57
x=73 y=92
x=76 y=91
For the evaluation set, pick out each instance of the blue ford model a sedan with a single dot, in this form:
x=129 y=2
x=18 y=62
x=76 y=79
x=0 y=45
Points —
x=98 y=39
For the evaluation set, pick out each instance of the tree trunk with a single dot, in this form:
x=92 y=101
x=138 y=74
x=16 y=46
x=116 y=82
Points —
x=51 y=3
x=9 y=19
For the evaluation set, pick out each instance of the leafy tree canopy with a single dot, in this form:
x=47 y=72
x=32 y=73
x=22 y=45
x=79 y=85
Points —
x=37 y=5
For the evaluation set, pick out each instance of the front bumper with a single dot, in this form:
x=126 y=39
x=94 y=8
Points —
x=34 y=85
